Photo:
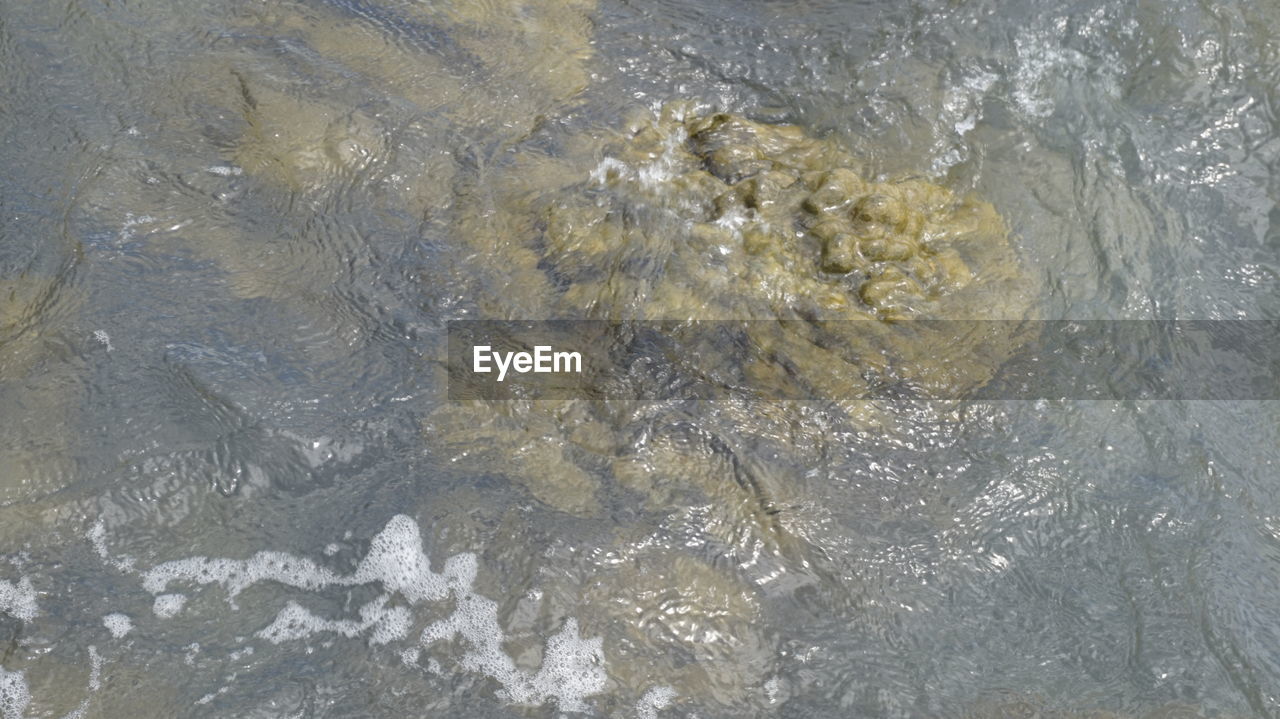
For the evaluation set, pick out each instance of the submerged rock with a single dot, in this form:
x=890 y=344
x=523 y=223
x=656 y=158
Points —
x=27 y=305
x=41 y=386
x=801 y=232
x=671 y=618
x=303 y=144
x=690 y=216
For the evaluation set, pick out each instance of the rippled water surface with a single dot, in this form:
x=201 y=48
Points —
x=232 y=234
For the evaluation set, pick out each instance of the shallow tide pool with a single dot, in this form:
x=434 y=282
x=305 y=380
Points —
x=233 y=235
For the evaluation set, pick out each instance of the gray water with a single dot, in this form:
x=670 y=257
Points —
x=233 y=233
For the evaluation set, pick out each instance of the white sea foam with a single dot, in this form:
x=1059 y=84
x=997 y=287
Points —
x=236 y=575
x=95 y=683
x=654 y=701
x=18 y=599
x=572 y=667
x=97 y=536
x=15 y=696
x=240 y=654
x=168 y=605
x=771 y=689
x=296 y=622
x=95 y=669
x=395 y=559
x=118 y=624
x=104 y=339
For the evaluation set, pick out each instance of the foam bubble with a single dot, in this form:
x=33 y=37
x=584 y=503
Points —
x=395 y=558
x=389 y=625
x=296 y=622
x=654 y=701
x=240 y=654
x=572 y=669
x=772 y=689
x=18 y=600
x=118 y=624
x=14 y=694
x=168 y=605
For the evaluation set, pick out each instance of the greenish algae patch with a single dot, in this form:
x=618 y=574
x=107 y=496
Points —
x=686 y=216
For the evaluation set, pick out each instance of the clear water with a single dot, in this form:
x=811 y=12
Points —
x=229 y=244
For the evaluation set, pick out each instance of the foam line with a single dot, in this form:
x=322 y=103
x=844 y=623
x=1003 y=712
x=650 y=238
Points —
x=654 y=701
x=95 y=683
x=395 y=559
x=236 y=575
x=296 y=622
x=572 y=667
x=97 y=536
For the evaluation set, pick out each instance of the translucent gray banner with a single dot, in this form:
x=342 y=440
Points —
x=846 y=360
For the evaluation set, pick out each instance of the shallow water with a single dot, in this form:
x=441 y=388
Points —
x=233 y=234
